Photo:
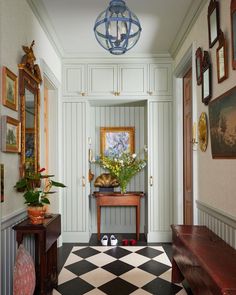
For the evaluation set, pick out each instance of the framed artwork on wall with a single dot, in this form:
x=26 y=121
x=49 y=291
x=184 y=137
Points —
x=198 y=60
x=233 y=32
x=9 y=89
x=206 y=78
x=222 y=117
x=222 y=59
x=10 y=135
x=116 y=140
x=213 y=22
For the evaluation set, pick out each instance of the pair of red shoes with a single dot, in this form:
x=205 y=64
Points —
x=131 y=242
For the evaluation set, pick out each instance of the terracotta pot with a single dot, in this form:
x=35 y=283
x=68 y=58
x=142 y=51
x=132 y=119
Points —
x=36 y=214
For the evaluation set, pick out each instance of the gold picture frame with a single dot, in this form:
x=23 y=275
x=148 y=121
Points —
x=9 y=89
x=116 y=140
x=11 y=141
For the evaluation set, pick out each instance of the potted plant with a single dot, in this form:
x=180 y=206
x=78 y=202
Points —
x=36 y=187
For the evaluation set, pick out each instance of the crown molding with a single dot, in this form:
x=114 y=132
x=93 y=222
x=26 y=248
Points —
x=189 y=20
x=41 y=14
x=107 y=56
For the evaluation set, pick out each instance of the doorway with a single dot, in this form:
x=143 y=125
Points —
x=187 y=149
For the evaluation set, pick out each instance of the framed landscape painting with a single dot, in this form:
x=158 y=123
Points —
x=222 y=116
x=10 y=135
x=116 y=140
x=9 y=89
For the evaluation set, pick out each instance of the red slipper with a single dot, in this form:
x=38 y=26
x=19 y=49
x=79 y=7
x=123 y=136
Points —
x=132 y=242
x=125 y=242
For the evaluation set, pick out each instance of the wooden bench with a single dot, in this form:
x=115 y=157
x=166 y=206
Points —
x=204 y=260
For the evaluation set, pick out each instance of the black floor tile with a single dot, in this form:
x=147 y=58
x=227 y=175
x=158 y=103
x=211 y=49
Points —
x=118 y=287
x=154 y=267
x=81 y=267
x=149 y=252
x=117 y=252
x=118 y=267
x=161 y=287
x=86 y=252
x=76 y=286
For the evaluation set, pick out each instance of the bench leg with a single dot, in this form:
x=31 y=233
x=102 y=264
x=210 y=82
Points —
x=176 y=276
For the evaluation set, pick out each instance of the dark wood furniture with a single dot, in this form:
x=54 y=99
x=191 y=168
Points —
x=204 y=260
x=118 y=199
x=46 y=236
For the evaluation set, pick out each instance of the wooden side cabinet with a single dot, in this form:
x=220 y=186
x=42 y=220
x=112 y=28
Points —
x=46 y=236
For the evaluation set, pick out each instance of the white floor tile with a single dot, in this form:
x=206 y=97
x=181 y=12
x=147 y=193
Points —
x=97 y=277
x=134 y=259
x=133 y=248
x=163 y=258
x=166 y=275
x=138 y=277
x=102 y=248
x=65 y=275
x=182 y=292
x=140 y=292
x=95 y=292
x=72 y=259
x=100 y=259
x=159 y=248
x=55 y=292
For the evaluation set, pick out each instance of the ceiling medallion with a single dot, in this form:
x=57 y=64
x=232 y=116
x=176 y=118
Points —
x=117 y=29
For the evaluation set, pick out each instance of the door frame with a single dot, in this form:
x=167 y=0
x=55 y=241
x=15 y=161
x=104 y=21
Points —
x=187 y=61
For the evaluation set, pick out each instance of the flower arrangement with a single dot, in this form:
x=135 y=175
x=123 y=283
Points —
x=123 y=167
x=36 y=188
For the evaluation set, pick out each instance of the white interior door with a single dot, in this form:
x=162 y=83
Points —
x=74 y=196
x=160 y=159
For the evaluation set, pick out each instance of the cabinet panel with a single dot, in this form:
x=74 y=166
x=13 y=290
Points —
x=160 y=79
x=74 y=199
x=132 y=79
x=102 y=79
x=74 y=80
x=160 y=169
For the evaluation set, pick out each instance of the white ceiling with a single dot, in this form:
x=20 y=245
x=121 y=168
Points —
x=72 y=22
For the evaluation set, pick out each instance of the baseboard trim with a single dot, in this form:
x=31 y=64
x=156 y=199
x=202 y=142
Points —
x=75 y=237
x=159 y=237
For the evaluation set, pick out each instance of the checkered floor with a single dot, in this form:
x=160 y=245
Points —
x=117 y=270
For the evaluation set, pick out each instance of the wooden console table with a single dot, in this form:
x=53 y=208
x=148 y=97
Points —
x=115 y=200
x=46 y=236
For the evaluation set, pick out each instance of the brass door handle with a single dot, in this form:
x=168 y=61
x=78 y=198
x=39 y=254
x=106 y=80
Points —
x=82 y=93
x=150 y=92
x=151 y=181
x=83 y=181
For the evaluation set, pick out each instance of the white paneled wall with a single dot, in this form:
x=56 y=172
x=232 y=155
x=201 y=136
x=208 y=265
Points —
x=119 y=219
x=8 y=251
x=74 y=197
x=224 y=226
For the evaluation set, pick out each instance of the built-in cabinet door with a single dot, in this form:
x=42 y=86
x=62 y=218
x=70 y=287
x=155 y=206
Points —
x=74 y=83
x=102 y=79
x=132 y=79
x=74 y=163
x=160 y=79
x=160 y=161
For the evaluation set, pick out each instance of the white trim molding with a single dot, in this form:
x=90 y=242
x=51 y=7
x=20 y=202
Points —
x=221 y=223
x=189 y=21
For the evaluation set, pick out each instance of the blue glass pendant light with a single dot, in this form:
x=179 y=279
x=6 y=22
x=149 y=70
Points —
x=117 y=29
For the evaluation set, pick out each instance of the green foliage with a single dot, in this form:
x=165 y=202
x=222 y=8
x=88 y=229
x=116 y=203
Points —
x=36 y=187
x=123 y=167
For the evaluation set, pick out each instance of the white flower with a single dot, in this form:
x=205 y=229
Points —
x=134 y=156
x=115 y=160
x=121 y=161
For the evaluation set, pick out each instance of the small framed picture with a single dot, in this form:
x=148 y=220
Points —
x=116 y=140
x=213 y=22
x=9 y=89
x=10 y=135
x=198 y=60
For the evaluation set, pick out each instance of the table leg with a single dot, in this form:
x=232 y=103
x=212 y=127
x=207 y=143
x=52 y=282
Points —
x=137 y=220
x=99 y=221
